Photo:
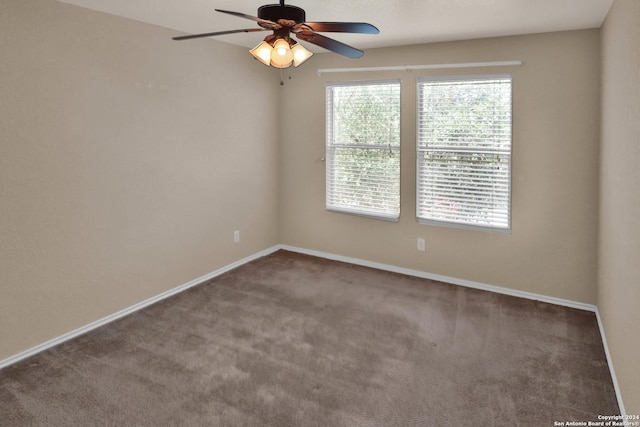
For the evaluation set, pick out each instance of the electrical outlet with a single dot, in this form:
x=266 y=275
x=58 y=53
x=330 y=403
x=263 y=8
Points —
x=421 y=245
x=236 y=236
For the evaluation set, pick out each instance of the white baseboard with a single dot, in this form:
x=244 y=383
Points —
x=446 y=279
x=380 y=266
x=610 y=363
x=108 y=319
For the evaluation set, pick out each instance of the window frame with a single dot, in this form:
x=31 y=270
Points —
x=330 y=149
x=420 y=151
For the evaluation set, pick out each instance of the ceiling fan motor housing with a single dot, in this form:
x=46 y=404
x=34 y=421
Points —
x=274 y=12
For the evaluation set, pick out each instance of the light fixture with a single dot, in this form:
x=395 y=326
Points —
x=280 y=52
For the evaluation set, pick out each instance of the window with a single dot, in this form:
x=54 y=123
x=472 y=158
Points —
x=464 y=152
x=363 y=148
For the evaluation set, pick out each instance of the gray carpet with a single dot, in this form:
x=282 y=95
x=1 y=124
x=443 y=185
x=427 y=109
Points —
x=293 y=340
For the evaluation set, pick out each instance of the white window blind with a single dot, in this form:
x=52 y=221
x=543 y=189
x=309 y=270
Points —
x=464 y=152
x=363 y=148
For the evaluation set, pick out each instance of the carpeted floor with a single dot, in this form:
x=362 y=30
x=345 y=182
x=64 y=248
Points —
x=293 y=340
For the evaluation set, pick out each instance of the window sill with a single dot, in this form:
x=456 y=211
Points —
x=382 y=217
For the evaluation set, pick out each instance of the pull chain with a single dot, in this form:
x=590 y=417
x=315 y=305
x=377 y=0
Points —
x=282 y=75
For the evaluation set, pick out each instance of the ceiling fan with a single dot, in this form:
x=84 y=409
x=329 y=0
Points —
x=279 y=49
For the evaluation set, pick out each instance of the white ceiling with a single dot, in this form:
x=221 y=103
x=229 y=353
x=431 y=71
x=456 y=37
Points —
x=400 y=22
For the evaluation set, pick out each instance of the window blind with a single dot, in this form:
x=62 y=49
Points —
x=464 y=151
x=363 y=148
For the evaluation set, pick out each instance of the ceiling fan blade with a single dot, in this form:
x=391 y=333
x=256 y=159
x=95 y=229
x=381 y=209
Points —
x=219 y=33
x=263 y=22
x=330 y=44
x=342 y=27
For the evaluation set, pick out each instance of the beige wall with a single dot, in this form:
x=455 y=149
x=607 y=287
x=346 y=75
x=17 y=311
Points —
x=553 y=247
x=126 y=162
x=619 y=273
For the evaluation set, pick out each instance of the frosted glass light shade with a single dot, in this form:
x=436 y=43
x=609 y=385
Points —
x=300 y=54
x=262 y=53
x=281 y=55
